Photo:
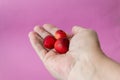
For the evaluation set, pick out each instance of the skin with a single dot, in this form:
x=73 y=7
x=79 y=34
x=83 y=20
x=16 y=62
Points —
x=85 y=59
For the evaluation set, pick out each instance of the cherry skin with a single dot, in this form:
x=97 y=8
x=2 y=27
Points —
x=62 y=45
x=49 y=42
x=60 y=34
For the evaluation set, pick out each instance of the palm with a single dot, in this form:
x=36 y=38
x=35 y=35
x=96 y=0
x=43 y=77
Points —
x=57 y=64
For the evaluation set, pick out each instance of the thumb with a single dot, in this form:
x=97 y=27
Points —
x=77 y=29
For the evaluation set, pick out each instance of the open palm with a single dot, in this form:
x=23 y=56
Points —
x=62 y=65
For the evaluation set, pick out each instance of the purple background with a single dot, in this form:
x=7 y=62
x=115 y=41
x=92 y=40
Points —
x=18 y=60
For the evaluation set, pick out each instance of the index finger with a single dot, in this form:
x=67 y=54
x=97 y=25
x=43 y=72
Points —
x=50 y=28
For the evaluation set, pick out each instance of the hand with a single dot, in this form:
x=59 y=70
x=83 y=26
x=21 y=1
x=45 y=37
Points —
x=81 y=61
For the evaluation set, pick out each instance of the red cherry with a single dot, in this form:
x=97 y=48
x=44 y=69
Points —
x=62 y=45
x=49 y=42
x=60 y=34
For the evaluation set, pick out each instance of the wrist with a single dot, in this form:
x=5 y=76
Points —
x=107 y=69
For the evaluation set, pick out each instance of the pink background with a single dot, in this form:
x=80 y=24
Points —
x=18 y=60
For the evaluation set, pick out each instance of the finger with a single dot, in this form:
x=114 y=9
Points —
x=77 y=29
x=36 y=42
x=50 y=28
x=41 y=31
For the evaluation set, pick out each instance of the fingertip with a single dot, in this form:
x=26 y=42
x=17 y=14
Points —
x=47 y=26
x=74 y=27
x=77 y=29
x=30 y=34
x=36 y=27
